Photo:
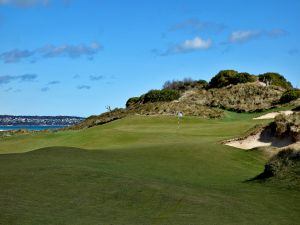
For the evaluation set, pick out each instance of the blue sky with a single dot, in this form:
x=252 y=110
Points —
x=75 y=57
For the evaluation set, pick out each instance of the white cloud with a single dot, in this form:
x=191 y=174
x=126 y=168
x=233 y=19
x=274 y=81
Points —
x=196 y=43
x=189 y=45
x=72 y=51
x=243 y=36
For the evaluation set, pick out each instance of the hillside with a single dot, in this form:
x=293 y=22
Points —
x=228 y=90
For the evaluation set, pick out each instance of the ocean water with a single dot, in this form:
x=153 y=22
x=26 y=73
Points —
x=4 y=128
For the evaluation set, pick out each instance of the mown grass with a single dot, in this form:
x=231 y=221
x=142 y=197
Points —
x=140 y=170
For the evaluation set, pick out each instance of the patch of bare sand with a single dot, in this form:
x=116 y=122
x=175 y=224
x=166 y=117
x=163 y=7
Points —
x=261 y=139
x=272 y=115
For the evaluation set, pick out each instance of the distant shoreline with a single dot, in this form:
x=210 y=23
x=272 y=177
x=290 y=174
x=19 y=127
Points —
x=30 y=127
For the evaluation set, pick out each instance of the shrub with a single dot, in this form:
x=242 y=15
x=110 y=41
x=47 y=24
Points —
x=275 y=79
x=290 y=95
x=165 y=95
x=227 y=77
x=133 y=101
x=243 y=78
x=185 y=85
x=284 y=165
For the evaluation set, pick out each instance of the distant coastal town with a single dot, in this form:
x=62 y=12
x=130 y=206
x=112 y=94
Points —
x=10 y=120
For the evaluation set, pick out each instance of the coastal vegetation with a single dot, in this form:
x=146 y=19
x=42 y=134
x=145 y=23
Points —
x=290 y=95
x=228 y=77
x=275 y=79
x=185 y=84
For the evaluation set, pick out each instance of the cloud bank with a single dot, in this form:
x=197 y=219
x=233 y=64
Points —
x=51 y=51
x=95 y=78
x=21 y=78
x=243 y=36
x=53 y=82
x=82 y=87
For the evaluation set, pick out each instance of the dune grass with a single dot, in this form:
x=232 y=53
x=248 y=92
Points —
x=140 y=170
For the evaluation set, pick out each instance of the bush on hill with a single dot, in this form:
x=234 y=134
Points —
x=243 y=77
x=290 y=95
x=133 y=101
x=227 y=77
x=164 y=95
x=275 y=79
x=185 y=85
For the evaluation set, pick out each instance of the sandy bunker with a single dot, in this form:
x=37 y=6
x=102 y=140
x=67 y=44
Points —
x=264 y=137
x=272 y=115
x=261 y=139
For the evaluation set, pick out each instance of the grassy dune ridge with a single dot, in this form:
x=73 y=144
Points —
x=140 y=170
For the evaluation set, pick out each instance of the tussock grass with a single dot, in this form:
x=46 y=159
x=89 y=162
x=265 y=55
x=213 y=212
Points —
x=249 y=97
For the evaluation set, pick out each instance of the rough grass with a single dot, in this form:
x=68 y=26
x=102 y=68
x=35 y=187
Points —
x=249 y=97
x=140 y=170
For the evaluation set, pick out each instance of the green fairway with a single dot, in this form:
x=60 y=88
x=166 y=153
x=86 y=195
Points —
x=140 y=170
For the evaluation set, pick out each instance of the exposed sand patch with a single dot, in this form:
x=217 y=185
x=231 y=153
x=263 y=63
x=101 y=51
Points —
x=272 y=115
x=262 y=84
x=261 y=139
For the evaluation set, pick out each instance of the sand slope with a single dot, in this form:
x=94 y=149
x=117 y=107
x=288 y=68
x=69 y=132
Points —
x=272 y=115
